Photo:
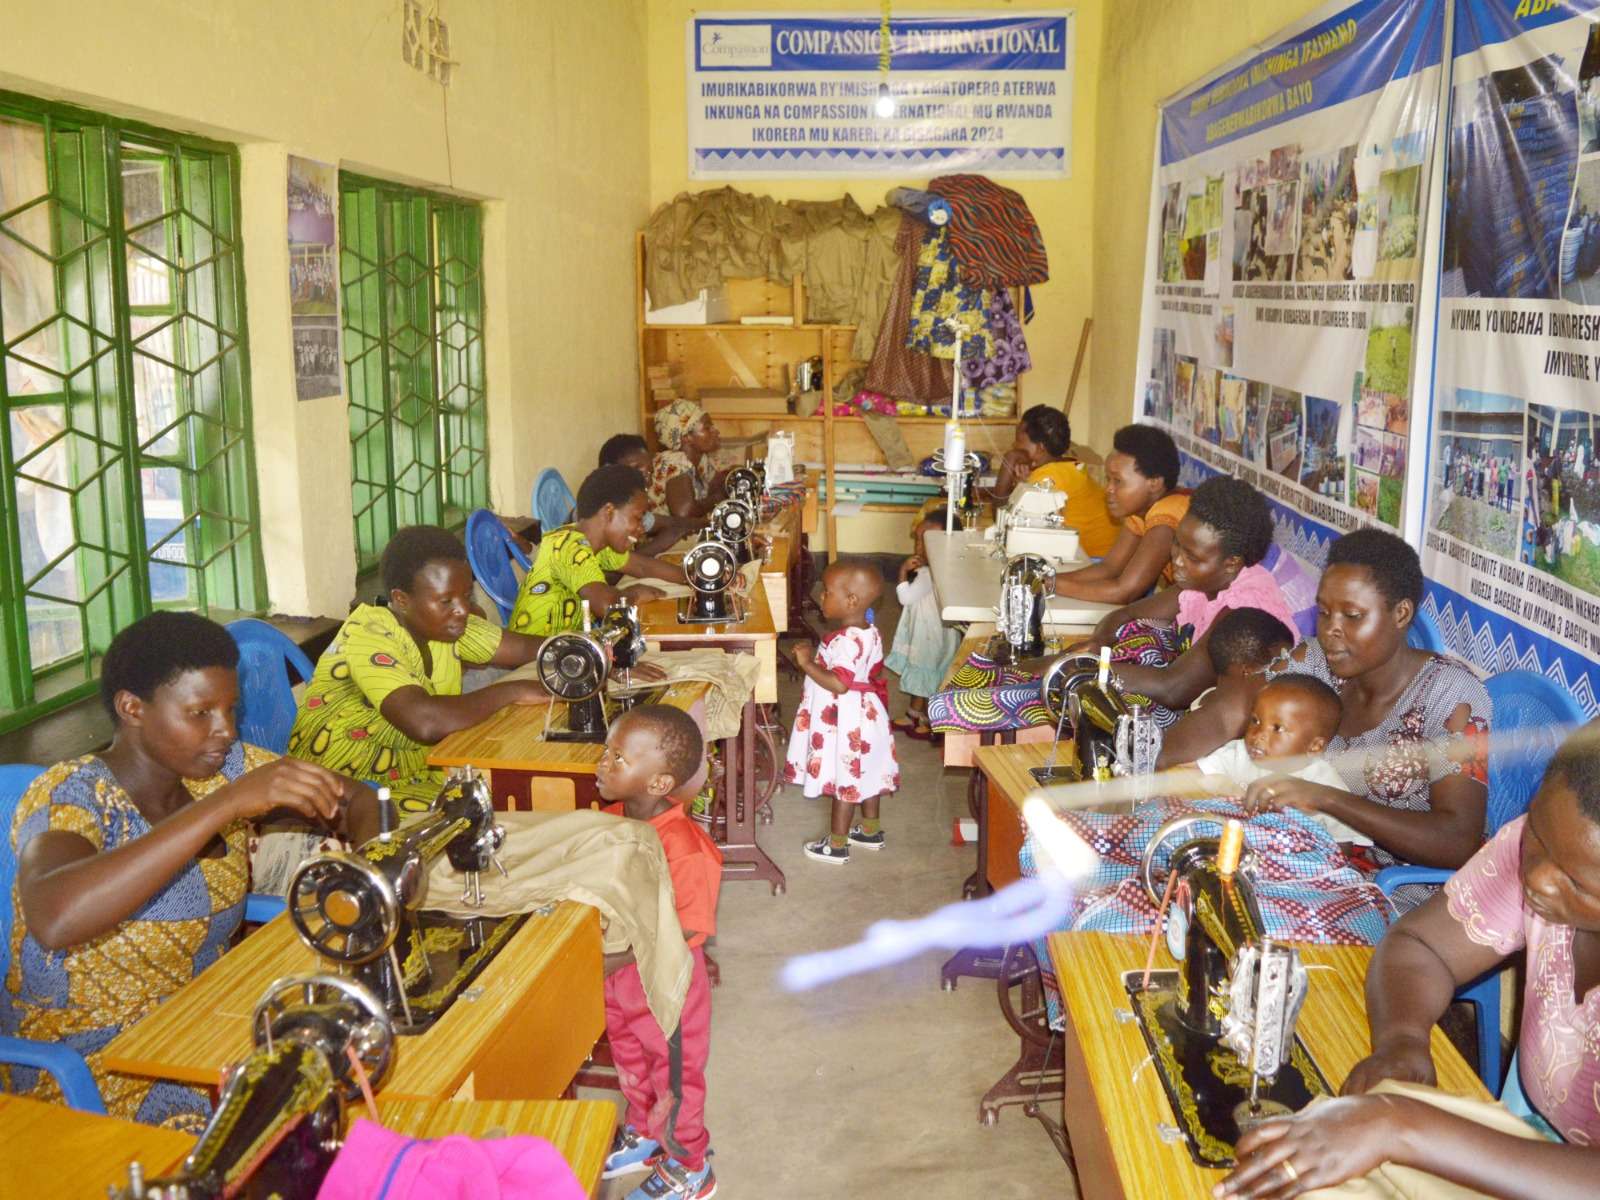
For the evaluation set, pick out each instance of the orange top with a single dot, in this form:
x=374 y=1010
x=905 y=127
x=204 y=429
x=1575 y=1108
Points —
x=1168 y=510
x=696 y=866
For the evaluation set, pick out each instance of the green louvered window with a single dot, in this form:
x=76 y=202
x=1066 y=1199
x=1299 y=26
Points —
x=411 y=275
x=128 y=477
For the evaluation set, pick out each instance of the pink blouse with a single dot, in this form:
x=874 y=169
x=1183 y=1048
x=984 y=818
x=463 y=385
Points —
x=1558 y=1050
x=1254 y=587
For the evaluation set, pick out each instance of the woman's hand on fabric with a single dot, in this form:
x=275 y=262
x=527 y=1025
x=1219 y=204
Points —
x=312 y=791
x=1320 y=1148
x=529 y=691
x=1283 y=791
x=1406 y=1059
x=641 y=593
x=647 y=672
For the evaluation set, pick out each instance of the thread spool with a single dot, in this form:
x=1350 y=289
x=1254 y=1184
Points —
x=1230 y=848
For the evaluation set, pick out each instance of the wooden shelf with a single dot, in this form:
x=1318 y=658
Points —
x=727 y=355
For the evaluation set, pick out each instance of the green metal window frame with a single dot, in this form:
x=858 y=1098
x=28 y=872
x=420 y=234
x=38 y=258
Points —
x=411 y=277
x=124 y=420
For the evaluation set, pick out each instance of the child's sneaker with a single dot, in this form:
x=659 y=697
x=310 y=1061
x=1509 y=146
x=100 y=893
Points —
x=672 y=1179
x=824 y=851
x=867 y=841
x=630 y=1151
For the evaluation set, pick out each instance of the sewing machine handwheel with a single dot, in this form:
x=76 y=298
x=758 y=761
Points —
x=572 y=666
x=1059 y=677
x=1155 y=889
x=343 y=907
x=371 y=1035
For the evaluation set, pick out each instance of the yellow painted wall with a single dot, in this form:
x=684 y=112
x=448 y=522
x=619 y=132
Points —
x=546 y=123
x=1064 y=208
x=1152 y=48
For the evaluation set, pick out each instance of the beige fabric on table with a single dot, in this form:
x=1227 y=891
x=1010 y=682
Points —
x=732 y=678
x=885 y=430
x=612 y=863
x=1391 y=1182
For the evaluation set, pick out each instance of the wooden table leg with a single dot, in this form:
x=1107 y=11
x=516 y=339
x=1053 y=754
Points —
x=742 y=858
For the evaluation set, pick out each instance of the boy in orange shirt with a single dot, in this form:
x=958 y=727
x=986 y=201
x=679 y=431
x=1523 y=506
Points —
x=650 y=753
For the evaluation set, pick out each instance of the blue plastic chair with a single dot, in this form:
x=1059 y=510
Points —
x=553 y=504
x=1425 y=634
x=1531 y=716
x=265 y=715
x=64 y=1064
x=490 y=549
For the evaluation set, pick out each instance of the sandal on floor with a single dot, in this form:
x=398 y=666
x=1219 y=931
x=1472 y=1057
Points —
x=903 y=725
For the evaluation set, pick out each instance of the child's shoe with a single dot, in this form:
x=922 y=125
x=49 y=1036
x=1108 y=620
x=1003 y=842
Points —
x=867 y=841
x=825 y=851
x=630 y=1151
x=671 y=1179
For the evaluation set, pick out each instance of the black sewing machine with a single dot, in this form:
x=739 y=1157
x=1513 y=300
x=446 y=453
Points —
x=280 y=1116
x=733 y=523
x=1113 y=737
x=1025 y=588
x=748 y=483
x=1221 y=1028
x=361 y=910
x=711 y=569
x=574 y=667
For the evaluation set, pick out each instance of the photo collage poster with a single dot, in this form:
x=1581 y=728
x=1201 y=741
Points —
x=1512 y=539
x=313 y=198
x=1281 y=296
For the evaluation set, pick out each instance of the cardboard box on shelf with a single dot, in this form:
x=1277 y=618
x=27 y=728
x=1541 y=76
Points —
x=710 y=307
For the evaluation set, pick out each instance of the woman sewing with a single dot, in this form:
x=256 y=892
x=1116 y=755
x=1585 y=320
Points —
x=1536 y=888
x=133 y=864
x=684 y=479
x=1412 y=742
x=1042 y=453
x=389 y=686
x=1143 y=495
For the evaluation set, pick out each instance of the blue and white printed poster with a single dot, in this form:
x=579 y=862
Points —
x=1283 y=288
x=1512 y=543
x=776 y=95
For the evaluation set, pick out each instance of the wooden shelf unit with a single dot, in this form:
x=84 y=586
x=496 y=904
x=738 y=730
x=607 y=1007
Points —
x=730 y=354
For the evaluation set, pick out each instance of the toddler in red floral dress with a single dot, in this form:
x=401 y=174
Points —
x=842 y=745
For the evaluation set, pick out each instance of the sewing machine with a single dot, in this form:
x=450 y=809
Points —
x=1113 y=738
x=711 y=568
x=361 y=910
x=1025 y=588
x=574 y=668
x=1221 y=1028
x=733 y=523
x=748 y=483
x=280 y=1115
x=1031 y=524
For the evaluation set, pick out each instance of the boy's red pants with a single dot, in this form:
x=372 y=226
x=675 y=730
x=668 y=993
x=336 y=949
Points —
x=642 y=1056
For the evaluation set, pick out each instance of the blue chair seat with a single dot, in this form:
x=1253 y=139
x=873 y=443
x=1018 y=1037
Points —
x=553 y=504
x=491 y=550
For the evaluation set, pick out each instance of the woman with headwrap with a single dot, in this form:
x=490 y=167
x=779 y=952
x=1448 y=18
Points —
x=684 y=481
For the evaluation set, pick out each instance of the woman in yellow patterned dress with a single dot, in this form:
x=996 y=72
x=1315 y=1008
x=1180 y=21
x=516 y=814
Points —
x=573 y=561
x=133 y=864
x=389 y=686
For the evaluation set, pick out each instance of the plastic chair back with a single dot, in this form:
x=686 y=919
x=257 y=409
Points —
x=1532 y=716
x=267 y=657
x=1424 y=634
x=553 y=504
x=14 y=781
x=490 y=549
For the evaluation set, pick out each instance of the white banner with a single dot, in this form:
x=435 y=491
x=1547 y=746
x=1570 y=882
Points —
x=777 y=95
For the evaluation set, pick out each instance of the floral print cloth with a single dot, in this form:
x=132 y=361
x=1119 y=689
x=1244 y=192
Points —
x=842 y=746
x=1010 y=357
x=941 y=303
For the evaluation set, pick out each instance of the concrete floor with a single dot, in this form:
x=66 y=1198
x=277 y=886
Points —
x=868 y=1088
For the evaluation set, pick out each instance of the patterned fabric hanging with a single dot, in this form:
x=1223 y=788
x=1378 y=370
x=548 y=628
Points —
x=992 y=233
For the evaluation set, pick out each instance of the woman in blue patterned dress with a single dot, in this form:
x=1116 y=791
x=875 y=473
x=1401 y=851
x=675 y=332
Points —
x=133 y=864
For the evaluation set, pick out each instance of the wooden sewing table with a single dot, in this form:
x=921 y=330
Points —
x=1114 y=1105
x=88 y=1153
x=52 y=1152
x=529 y=773
x=538 y=1011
